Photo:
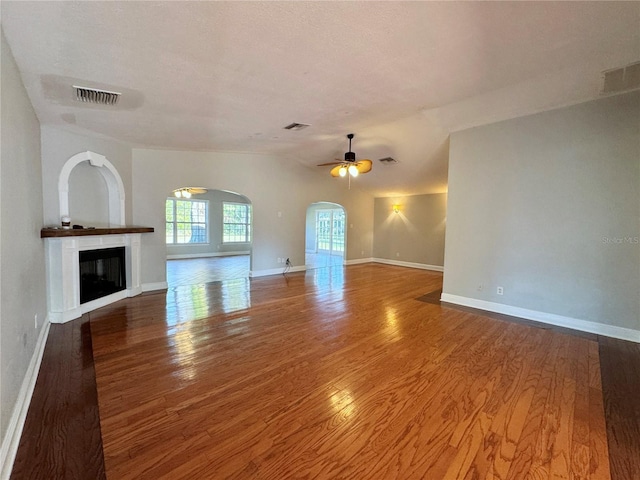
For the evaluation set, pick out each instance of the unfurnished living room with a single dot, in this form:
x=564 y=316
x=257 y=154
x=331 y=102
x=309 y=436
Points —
x=331 y=240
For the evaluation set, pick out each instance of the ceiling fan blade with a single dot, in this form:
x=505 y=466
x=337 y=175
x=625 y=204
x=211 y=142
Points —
x=364 y=166
x=330 y=163
x=335 y=171
x=197 y=190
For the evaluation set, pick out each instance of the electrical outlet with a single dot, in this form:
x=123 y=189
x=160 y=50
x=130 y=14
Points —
x=288 y=262
x=279 y=260
x=480 y=287
x=500 y=291
x=397 y=254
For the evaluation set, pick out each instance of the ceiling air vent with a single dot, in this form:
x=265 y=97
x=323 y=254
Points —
x=297 y=126
x=93 y=95
x=388 y=160
x=621 y=79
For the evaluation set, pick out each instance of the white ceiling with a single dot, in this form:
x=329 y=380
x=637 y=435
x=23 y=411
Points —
x=227 y=76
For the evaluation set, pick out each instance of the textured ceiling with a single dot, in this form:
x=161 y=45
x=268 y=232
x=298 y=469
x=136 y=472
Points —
x=227 y=76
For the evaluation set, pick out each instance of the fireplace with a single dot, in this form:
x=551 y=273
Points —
x=102 y=272
x=90 y=268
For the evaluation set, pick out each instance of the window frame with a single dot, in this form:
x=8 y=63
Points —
x=247 y=225
x=174 y=202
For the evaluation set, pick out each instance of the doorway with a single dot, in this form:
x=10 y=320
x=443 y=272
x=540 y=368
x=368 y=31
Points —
x=208 y=236
x=325 y=239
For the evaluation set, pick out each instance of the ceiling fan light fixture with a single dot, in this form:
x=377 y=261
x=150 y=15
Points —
x=177 y=193
x=350 y=166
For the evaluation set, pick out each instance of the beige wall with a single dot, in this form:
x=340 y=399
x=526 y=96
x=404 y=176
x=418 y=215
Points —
x=22 y=282
x=548 y=207
x=415 y=234
x=280 y=193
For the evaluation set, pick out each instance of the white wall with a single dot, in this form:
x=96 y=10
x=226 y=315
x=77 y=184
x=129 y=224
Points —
x=280 y=193
x=548 y=207
x=88 y=197
x=22 y=283
x=416 y=233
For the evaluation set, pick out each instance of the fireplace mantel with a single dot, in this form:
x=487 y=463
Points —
x=79 y=232
x=63 y=270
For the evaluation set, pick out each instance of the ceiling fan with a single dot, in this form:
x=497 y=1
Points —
x=349 y=164
x=188 y=191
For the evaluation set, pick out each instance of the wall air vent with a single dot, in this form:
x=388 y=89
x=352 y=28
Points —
x=93 y=95
x=297 y=126
x=621 y=79
x=388 y=160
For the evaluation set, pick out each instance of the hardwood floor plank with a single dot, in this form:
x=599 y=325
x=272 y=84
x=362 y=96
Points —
x=312 y=376
x=312 y=380
x=620 y=364
x=62 y=437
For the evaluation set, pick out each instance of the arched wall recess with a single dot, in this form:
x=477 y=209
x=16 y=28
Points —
x=115 y=187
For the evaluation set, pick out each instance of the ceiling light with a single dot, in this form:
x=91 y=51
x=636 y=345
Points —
x=349 y=165
x=187 y=192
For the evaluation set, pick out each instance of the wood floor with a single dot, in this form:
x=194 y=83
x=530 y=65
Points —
x=196 y=271
x=344 y=373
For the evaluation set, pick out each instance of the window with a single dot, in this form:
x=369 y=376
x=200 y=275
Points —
x=236 y=222
x=186 y=221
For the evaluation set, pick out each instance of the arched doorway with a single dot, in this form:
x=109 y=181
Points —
x=208 y=236
x=325 y=235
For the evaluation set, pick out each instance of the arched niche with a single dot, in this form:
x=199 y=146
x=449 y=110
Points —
x=115 y=187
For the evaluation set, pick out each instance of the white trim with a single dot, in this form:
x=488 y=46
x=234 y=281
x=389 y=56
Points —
x=150 y=287
x=550 y=318
x=358 y=261
x=399 y=263
x=111 y=177
x=18 y=416
x=276 y=271
x=180 y=256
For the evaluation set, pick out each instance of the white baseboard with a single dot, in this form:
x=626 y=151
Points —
x=543 y=317
x=358 y=261
x=179 y=256
x=132 y=292
x=276 y=271
x=150 y=287
x=18 y=416
x=399 y=263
